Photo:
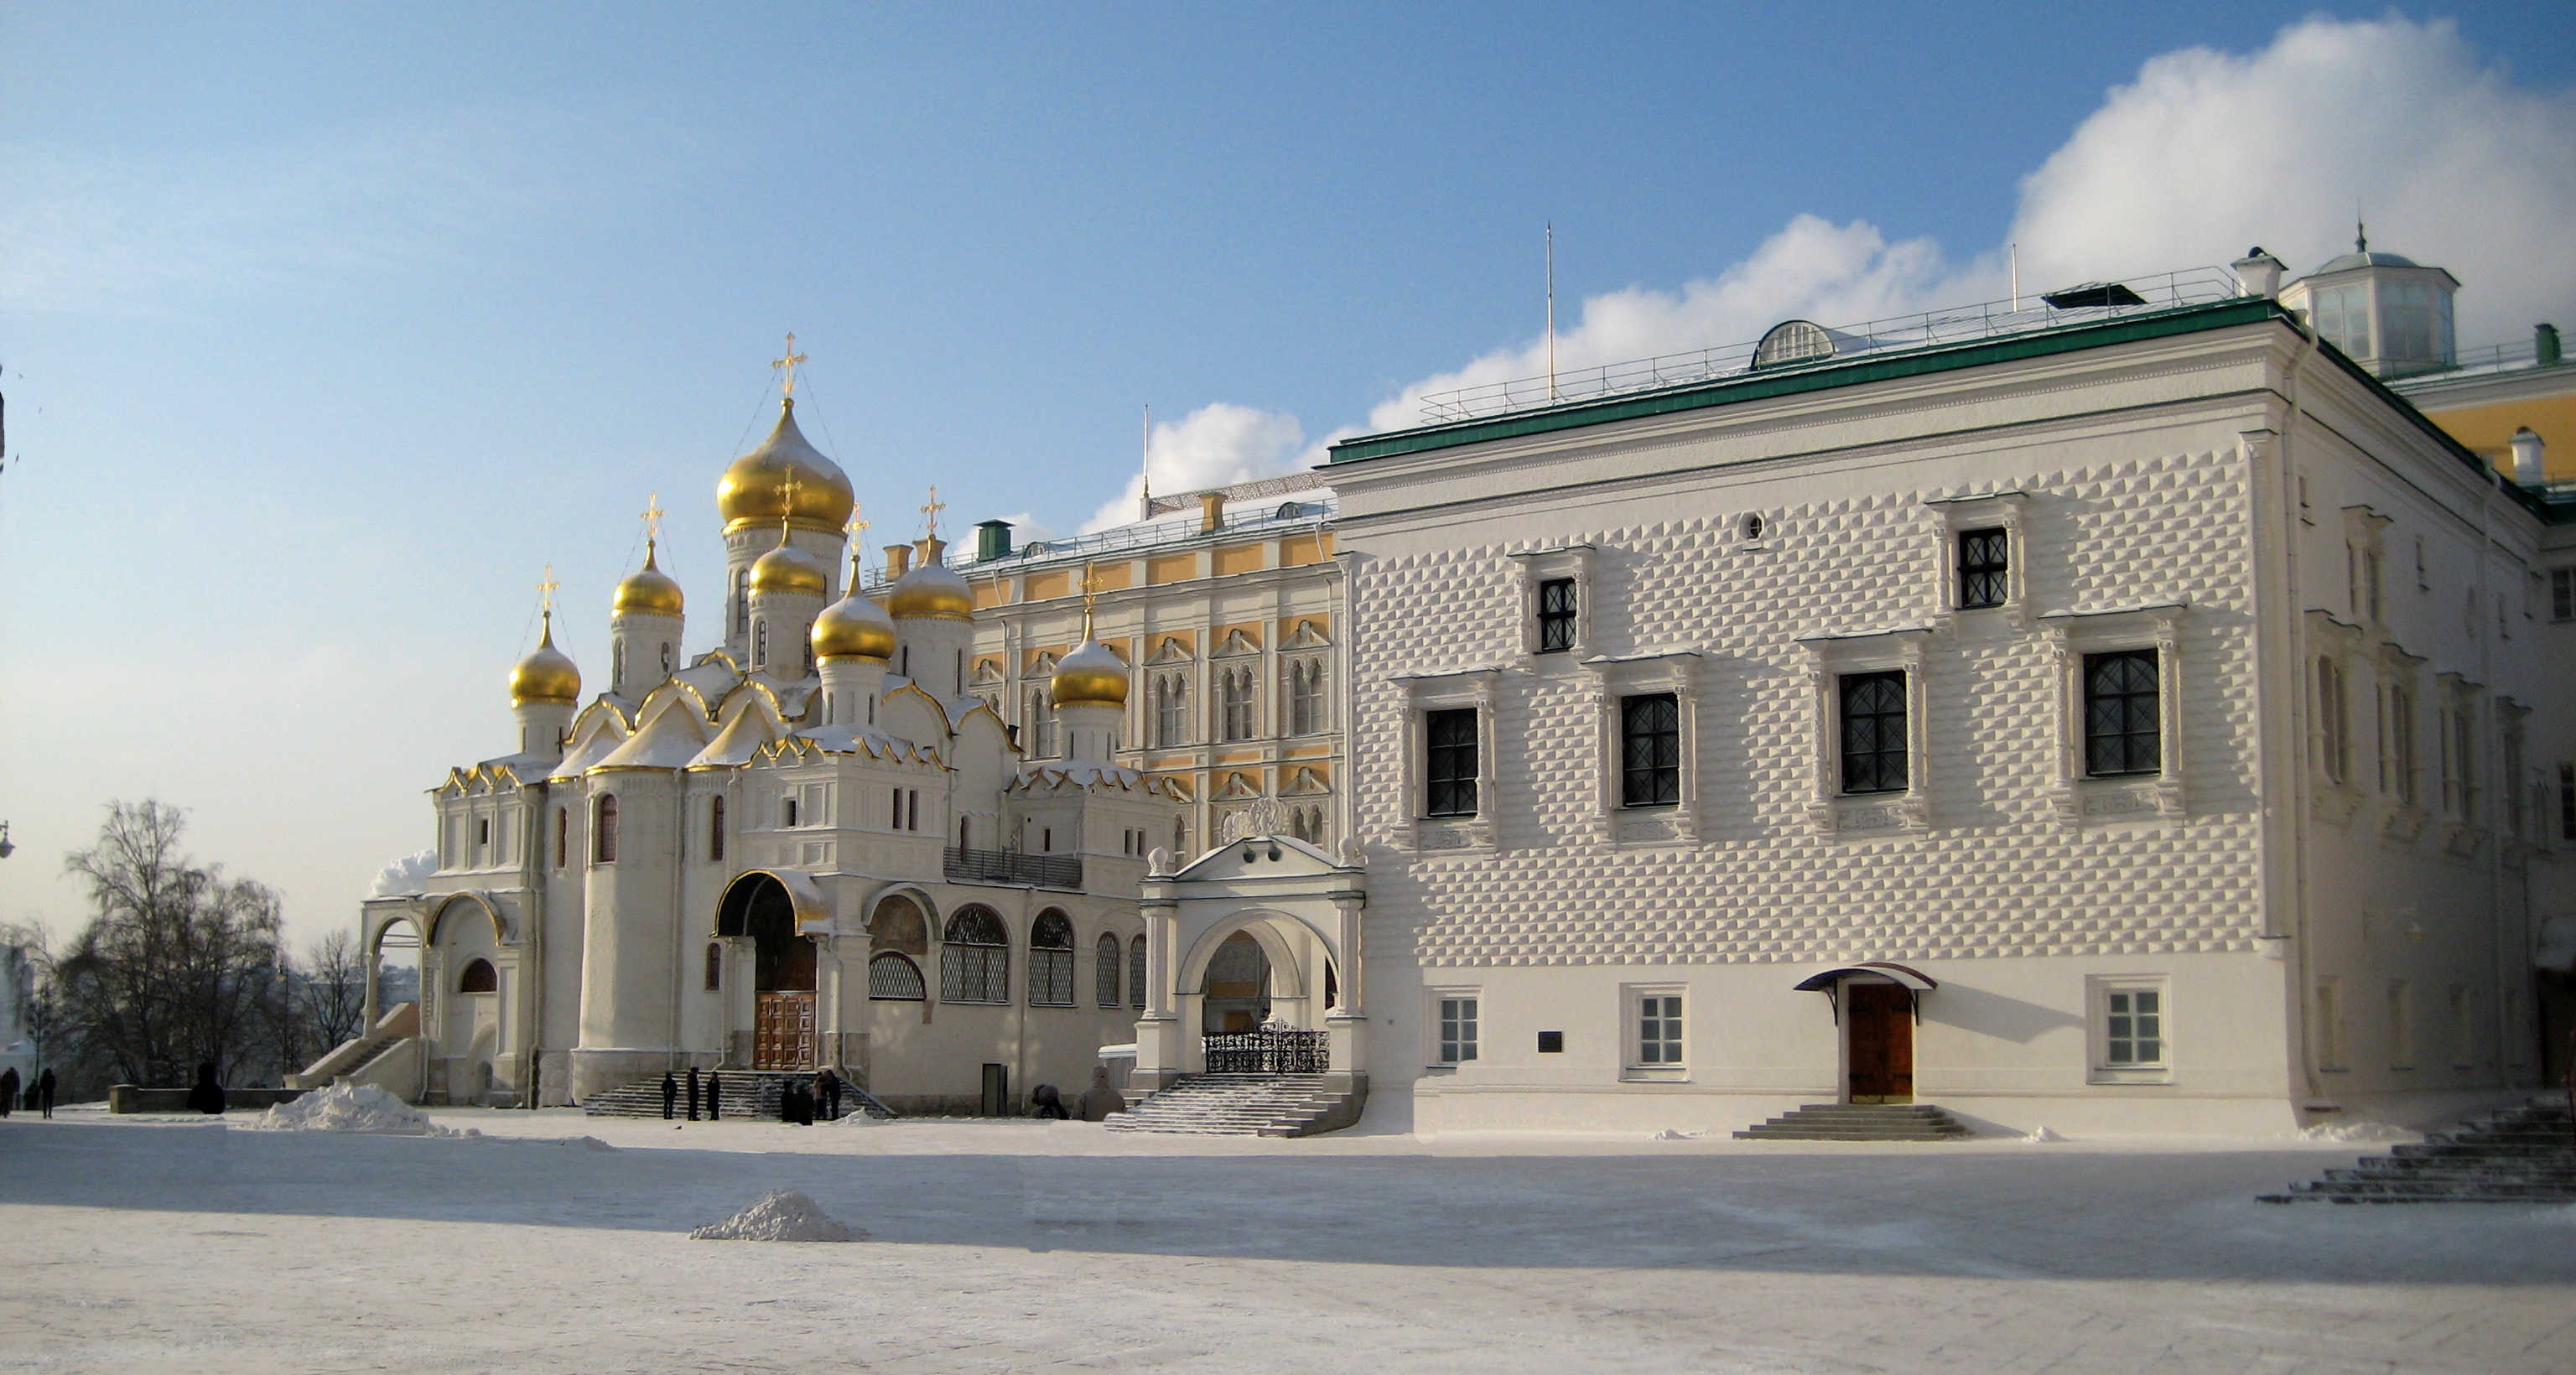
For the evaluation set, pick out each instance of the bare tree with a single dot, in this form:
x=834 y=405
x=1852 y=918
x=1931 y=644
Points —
x=334 y=987
x=180 y=966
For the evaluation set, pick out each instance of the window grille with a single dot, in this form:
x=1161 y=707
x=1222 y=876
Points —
x=1659 y=1030
x=1136 y=972
x=975 y=961
x=1985 y=573
x=1874 y=732
x=1105 y=959
x=1556 y=607
x=603 y=841
x=1449 y=762
x=1650 y=751
x=895 y=978
x=2122 y=726
x=2133 y=1027
x=1457 y=1030
x=1051 y=960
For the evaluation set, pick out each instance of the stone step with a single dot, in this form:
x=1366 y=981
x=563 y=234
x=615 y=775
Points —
x=1860 y=1122
x=1240 y=1105
x=2515 y=1155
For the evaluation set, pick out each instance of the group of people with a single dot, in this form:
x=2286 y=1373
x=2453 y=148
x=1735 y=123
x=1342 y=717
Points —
x=798 y=1103
x=37 y=1096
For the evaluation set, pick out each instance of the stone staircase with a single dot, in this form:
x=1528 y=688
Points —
x=749 y=1095
x=2524 y=1154
x=1861 y=1122
x=1248 y=1105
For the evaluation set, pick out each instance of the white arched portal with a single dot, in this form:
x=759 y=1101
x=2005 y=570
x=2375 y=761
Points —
x=1299 y=907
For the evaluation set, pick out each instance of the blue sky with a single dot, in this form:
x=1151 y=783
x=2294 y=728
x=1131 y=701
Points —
x=323 y=329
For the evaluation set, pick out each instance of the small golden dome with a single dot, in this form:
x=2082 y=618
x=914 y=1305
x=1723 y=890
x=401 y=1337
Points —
x=1091 y=676
x=547 y=675
x=788 y=569
x=648 y=591
x=754 y=490
x=854 y=628
x=933 y=589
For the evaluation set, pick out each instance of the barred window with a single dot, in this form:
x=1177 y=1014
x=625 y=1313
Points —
x=1104 y=970
x=1984 y=568
x=1873 y=732
x=1051 y=960
x=975 y=961
x=603 y=830
x=2122 y=727
x=1457 y=1030
x=895 y=978
x=1136 y=972
x=1650 y=751
x=1556 y=607
x=1449 y=763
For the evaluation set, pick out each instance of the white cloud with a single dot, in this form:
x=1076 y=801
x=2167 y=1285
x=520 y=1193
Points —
x=1211 y=447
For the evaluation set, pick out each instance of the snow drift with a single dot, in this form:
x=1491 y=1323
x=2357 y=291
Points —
x=783 y=1216
x=360 y=1108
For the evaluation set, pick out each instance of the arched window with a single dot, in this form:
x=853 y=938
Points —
x=1136 y=973
x=1171 y=709
x=898 y=926
x=478 y=978
x=975 y=962
x=1051 y=960
x=760 y=644
x=1104 y=974
x=563 y=830
x=1305 y=696
x=741 y=600
x=1041 y=726
x=603 y=830
x=1235 y=703
x=715 y=966
x=715 y=833
x=617 y=663
x=895 y=978
x=666 y=659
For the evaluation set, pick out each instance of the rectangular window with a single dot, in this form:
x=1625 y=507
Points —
x=563 y=834
x=787 y=811
x=1457 y=1030
x=1556 y=615
x=1984 y=568
x=2133 y=1028
x=912 y=809
x=2401 y=1024
x=715 y=830
x=1873 y=732
x=2402 y=775
x=2122 y=725
x=894 y=819
x=2567 y=802
x=2333 y=733
x=1659 y=1029
x=2562 y=594
x=1171 y=709
x=1449 y=763
x=1650 y=751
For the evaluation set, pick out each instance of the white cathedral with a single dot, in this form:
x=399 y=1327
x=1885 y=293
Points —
x=2117 y=710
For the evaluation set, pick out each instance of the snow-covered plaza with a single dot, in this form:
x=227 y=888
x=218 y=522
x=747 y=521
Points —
x=558 y=1242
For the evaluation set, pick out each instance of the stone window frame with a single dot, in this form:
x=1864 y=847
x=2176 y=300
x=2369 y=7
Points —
x=2079 y=798
x=2334 y=761
x=1538 y=566
x=2098 y=989
x=1955 y=516
x=1613 y=680
x=1480 y=689
x=2400 y=777
x=2366 y=565
x=1632 y=997
x=1433 y=997
x=1905 y=649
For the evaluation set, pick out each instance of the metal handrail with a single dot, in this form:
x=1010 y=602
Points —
x=1952 y=325
x=963 y=865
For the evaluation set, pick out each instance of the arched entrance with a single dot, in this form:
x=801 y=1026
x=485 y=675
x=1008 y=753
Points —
x=1236 y=993
x=757 y=908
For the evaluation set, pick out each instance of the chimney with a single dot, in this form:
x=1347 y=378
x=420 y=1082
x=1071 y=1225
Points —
x=992 y=540
x=2544 y=345
x=2530 y=466
x=898 y=560
x=1211 y=511
x=2257 y=273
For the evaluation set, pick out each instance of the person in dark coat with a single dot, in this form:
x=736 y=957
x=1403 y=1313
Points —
x=693 y=1093
x=827 y=1085
x=715 y=1097
x=208 y=1096
x=8 y=1090
x=1044 y=1101
x=670 y=1096
x=1100 y=1100
x=45 y=1093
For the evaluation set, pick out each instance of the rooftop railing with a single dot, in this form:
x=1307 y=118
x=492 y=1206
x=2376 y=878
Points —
x=2086 y=304
x=1010 y=867
x=1308 y=512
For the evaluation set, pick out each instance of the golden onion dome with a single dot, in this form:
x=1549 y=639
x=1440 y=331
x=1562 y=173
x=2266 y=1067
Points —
x=854 y=628
x=755 y=490
x=933 y=589
x=788 y=569
x=648 y=591
x=547 y=675
x=1091 y=676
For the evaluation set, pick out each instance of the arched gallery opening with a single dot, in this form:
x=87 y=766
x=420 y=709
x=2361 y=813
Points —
x=757 y=909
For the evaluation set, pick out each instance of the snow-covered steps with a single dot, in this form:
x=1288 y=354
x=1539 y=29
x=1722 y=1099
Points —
x=1861 y=1122
x=1248 y=1105
x=2523 y=1154
x=749 y=1094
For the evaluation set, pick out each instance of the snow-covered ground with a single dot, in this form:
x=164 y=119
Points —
x=173 y=1245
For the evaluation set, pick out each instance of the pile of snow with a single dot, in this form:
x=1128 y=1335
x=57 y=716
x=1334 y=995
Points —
x=856 y=1117
x=1669 y=1134
x=361 y=1108
x=2356 y=1131
x=783 y=1216
x=2041 y=1136
x=587 y=1143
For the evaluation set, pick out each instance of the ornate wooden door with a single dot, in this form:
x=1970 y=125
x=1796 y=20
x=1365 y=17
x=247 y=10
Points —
x=783 y=1032
x=1880 y=1018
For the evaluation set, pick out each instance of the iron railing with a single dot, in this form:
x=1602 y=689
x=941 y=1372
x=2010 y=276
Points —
x=1314 y=511
x=1269 y=1052
x=1958 y=324
x=963 y=865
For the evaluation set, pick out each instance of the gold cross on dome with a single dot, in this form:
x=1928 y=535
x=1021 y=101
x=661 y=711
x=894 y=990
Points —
x=653 y=514
x=858 y=526
x=788 y=365
x=546 y=592
x=788 y=486
x=1090 y=594
x=930 y=512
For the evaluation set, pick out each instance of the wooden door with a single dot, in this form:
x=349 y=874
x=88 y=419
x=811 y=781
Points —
x=1880 y=1019
x=783 y=1032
